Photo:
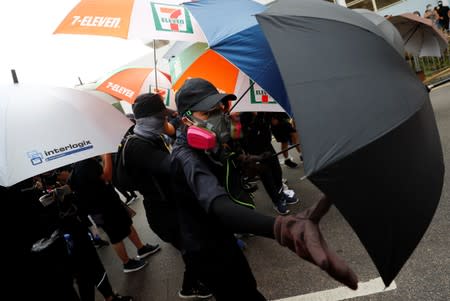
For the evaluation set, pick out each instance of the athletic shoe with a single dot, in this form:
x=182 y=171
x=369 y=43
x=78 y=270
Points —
x=199 y=292
x=281 y=207
x=98 y=243
x=289 y=163
x=147 y=250
x=118 y=297
x=291 y=197
x=242 y=245
x=134 y=265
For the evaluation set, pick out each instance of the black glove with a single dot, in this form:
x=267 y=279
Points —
x=252 y=165
x=301 y=234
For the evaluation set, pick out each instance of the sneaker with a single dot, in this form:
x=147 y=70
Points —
x=147 y=250
x=118 y=297
x=281 y=207
x=200 y=292
x=250 y=187
x=242 y=245
x=134 y=265
x=290 y=163
x=291 y=197
x=203 y=292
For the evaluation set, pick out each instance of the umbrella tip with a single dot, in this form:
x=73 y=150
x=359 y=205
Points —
x=14 y=76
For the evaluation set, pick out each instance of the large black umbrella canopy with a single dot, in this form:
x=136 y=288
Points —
x=367 y=128
x=390 y=33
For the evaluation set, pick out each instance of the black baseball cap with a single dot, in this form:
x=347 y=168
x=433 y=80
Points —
x=148 y=104
x=198 y=94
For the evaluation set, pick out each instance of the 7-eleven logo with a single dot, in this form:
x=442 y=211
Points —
x=172 y=18
x=258 y=95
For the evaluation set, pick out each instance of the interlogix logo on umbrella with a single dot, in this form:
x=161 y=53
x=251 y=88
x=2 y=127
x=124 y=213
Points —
x=37 y=157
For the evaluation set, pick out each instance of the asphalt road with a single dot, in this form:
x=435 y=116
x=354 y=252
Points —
x=282 y=275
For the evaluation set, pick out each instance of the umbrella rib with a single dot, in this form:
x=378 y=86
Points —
x=413 y=32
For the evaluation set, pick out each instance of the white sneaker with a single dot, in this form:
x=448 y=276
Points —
x=289 y=192
x=291 y=197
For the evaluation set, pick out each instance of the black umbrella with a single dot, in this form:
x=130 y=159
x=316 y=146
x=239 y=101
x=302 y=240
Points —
x=368 y=132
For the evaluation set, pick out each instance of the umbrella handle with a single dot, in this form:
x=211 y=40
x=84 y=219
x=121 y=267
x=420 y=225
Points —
x=285 y=150
x=154 y=61
x=14 y=76
x=243 y=94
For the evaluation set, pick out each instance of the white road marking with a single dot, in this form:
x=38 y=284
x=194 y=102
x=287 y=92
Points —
x=370 y=287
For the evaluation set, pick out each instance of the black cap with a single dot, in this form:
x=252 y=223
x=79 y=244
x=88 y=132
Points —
x=147 y=104
x=197 y=94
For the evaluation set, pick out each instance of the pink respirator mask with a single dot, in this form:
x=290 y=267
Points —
x=201 y=138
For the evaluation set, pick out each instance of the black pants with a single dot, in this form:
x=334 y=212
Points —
x=162 y=219
x=87 y=267
x=225 y=271
x=271 y=177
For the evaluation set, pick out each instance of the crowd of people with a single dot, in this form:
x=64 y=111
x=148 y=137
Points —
x=439 y=14
x=194 y=175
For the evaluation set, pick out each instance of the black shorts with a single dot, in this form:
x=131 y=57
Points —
x=116 y=219
x=117 y=223
x=282 y=132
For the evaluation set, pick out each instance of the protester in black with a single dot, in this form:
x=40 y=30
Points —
x=443 y=12
x=257 y=140
x=147 y=159
x=208 y=217
x=97 y=197
x=52 y=264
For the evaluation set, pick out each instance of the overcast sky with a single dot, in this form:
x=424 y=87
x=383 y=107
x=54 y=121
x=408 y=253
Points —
x=28 y=45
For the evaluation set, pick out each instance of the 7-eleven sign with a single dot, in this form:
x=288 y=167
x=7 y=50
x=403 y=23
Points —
x=258 y=95
x=172 y=18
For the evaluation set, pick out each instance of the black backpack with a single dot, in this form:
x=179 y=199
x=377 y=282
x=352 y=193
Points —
x=121 y=178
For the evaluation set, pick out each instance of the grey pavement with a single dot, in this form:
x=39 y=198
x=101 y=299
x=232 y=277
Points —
x=281 y=274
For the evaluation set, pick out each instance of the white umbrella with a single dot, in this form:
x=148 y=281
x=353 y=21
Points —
x=44 y=128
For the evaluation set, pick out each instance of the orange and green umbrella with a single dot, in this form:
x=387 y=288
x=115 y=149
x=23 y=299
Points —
x=127 y=83
x=198 y=60
x=132 y=19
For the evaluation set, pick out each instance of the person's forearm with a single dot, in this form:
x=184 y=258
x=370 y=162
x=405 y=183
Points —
x=241 y=219
x=107 y=167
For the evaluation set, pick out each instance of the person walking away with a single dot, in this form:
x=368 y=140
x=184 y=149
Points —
x=443 y=12
x=98 y=198
x=147 y=160
x=258 y=140
x=285 y=133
